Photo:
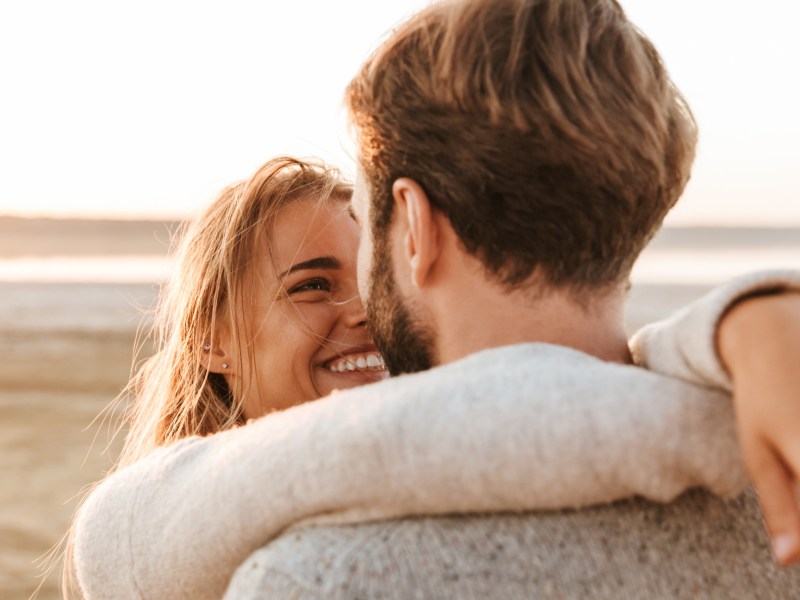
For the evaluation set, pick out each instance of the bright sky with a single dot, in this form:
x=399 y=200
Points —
x=148 y=108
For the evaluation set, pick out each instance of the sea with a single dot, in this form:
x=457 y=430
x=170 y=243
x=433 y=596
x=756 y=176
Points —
x=106 y=275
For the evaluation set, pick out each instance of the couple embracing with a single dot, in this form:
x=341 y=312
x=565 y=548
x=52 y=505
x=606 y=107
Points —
x=515 y=156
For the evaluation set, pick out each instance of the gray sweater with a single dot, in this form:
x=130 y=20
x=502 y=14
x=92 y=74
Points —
x=520 y=428
x=698 y=546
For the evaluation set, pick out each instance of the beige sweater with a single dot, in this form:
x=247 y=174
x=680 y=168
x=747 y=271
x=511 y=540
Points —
x=523 y=427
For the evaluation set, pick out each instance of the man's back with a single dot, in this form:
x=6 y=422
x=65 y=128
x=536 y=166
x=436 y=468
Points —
x=698 y=547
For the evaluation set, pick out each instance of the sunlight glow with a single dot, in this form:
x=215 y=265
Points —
x=148 y=109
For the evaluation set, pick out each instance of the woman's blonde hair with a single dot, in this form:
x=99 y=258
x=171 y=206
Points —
x=173 y=395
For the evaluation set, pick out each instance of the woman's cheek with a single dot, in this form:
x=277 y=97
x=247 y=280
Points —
x=317 y=320
x=312 y=331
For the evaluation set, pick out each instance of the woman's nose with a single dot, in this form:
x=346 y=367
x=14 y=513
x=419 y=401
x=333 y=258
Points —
x=355 y=315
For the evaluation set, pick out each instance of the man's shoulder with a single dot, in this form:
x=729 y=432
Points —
x=525 y=369
x=699 y=545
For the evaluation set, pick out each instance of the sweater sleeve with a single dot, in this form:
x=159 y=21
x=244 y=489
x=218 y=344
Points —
x=523 y=428
x=684 y=345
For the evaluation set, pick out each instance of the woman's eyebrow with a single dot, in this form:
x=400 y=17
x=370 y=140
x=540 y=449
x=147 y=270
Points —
x=322 y=262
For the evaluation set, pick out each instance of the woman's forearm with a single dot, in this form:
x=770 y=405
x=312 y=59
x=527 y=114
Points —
x=518 y=428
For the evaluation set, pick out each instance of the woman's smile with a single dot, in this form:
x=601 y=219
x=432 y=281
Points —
x=352 y=368
x=363 y=362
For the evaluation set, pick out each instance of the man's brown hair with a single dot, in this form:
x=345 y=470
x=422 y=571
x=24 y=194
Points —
x=547 y=131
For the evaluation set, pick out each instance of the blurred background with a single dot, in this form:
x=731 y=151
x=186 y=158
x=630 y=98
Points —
x=119 y=120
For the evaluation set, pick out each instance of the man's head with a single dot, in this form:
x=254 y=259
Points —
x=546 y=132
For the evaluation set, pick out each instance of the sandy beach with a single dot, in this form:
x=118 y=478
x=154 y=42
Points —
x=70 y=353
x=71 y=350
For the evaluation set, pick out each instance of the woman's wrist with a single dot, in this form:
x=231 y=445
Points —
x=759 y=343
x=759 y=330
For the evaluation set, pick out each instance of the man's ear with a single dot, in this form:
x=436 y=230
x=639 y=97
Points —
x=422 y=242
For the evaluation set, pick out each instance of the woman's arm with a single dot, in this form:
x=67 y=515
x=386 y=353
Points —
x=759 y=343
x=684 y=345
x=744 y=337
x=517 y=428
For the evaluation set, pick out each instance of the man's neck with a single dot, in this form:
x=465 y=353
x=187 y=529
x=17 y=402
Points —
x=489 y=318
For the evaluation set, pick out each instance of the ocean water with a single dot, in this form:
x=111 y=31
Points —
x=86 y=269
x=105 y=276
x=96 y=293
x=678 y=263
x=48 y=306
x=702 y=266
x=115 y=291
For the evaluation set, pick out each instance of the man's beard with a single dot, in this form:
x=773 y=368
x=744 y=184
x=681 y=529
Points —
x=405 y=343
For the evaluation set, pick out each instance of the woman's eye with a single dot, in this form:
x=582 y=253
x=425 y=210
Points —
x=312 y=285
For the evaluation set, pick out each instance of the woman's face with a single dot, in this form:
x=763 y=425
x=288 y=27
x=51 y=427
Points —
x=306 y=318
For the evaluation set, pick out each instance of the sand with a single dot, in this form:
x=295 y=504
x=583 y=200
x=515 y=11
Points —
x=69 y=352
x=47 y=456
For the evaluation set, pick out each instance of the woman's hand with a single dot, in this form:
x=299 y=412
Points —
x=759 y=343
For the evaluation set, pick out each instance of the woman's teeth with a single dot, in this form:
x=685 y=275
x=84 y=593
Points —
x=367 y=361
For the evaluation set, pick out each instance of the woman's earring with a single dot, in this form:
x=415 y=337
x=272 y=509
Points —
x=206 y=347
x=224 y=365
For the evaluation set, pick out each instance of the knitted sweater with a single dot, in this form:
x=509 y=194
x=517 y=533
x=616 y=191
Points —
x=525 y=427
x=697 y=546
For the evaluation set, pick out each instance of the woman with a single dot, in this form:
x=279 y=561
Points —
x=263 y=311
x=263 y=314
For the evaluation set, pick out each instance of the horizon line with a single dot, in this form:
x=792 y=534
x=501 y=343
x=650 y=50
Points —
x=143 y=218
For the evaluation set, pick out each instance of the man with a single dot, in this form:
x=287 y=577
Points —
x=516 y=156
